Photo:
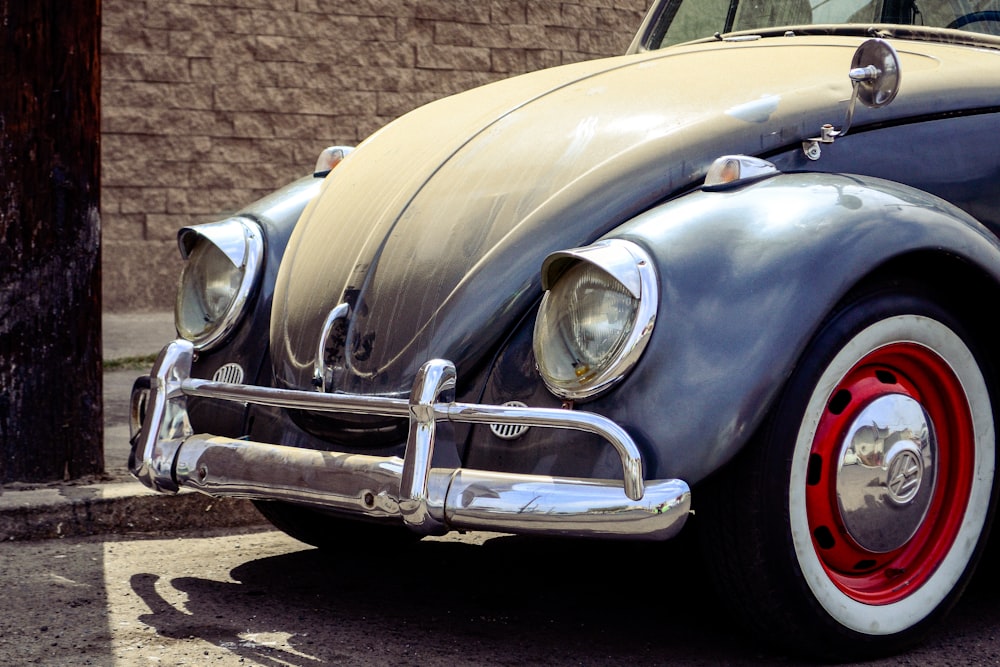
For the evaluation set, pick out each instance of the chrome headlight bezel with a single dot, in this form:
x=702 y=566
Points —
x=237 y=246
x=629 y=269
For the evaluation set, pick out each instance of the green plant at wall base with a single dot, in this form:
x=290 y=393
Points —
x=141 y=363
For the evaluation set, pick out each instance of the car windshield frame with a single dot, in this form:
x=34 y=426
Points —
x=673 y=22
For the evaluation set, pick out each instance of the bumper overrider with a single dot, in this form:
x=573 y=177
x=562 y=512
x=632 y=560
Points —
x=167 y=456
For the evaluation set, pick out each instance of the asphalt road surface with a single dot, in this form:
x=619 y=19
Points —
x=479 y=599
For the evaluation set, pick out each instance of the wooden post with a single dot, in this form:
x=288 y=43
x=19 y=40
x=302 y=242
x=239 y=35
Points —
x=51 y=425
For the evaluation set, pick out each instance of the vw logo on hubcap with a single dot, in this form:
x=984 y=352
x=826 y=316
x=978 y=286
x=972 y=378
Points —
x=904 y=470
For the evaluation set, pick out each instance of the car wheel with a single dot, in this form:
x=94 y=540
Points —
x=330 y=532
x=856 y=517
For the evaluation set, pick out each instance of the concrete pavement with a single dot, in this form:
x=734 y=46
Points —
x=116 y=503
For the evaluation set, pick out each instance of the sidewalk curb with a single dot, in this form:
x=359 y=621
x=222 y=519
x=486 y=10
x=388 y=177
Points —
x=117 y=504
x=115 y=508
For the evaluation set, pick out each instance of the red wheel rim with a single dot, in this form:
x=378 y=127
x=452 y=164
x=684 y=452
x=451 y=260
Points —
x=916 y=372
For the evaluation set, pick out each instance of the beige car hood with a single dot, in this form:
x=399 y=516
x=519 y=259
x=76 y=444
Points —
x=434 y=229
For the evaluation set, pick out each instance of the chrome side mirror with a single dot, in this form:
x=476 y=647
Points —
x=875 y=75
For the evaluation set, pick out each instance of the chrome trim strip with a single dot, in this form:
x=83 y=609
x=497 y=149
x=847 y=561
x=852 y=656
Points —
x=294 y=399
x=339 y=312
x=428 y=500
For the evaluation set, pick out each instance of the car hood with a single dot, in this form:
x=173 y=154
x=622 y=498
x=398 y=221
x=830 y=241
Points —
x=434 y=229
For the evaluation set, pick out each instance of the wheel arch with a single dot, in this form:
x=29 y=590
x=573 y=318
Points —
x=968 y=285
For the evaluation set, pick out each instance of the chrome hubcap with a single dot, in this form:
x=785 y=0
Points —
x=886 y=472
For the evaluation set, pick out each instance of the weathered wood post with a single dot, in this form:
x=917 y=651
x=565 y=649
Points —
x=50 y=296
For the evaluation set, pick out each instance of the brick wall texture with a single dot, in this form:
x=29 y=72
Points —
x=209 y=104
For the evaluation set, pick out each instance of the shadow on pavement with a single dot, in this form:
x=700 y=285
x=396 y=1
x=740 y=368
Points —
x=510 y=600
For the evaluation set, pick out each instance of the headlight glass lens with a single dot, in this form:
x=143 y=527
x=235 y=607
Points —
x=214 y=289
x=584 y=328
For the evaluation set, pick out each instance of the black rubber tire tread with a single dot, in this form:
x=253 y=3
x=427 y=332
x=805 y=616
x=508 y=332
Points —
x=333 y=533
x=743 y=511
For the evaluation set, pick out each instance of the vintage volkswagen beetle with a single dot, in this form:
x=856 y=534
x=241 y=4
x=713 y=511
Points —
x=754 y=258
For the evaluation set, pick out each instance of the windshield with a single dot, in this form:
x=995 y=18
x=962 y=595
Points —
x=686 y=20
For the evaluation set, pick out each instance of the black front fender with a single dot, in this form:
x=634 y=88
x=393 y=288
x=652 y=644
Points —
x=747 y=277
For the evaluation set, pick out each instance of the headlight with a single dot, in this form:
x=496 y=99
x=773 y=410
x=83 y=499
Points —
x=223 y=262
x=595 y=318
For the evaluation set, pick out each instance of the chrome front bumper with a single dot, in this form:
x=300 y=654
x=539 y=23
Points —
x=168 y=456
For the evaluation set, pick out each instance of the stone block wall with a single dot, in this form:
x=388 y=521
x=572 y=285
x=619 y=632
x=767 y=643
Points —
x=210 y=104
